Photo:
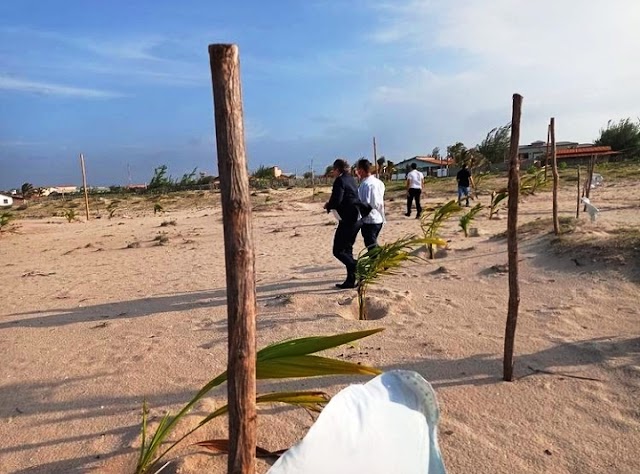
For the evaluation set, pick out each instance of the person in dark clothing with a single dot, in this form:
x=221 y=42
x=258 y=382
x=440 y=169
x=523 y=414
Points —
x=344 y=200
x=415 y=182
x=464 y=182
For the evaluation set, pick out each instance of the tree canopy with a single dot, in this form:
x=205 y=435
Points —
x=620 y=136
x=495 y=146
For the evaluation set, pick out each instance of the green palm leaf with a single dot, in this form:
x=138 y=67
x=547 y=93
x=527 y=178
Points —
x=467 y=219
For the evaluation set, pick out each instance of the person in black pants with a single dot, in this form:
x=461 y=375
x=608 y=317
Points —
x=344 y=200
x=415 y=182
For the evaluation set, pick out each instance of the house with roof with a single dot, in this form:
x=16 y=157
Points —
x=5 y=201
x=573 y=153
x=428 y=165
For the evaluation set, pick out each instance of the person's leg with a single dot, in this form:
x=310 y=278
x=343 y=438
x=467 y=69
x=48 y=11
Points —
x=460 y=195
x=370 y=234
x=418 y=206
x=409 y=200
x=343 y=241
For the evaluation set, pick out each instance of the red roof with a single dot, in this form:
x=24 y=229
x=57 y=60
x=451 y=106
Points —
x=434 y=161
x=584 y=151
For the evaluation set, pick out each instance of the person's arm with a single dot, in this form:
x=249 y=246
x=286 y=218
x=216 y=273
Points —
x=337 y=194
x=421 y=181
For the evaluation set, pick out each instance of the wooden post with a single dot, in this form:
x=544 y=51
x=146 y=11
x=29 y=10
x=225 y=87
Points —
x=239 y=257
x=375 y=157
x=587 y=190
x=546 y=158
x=578 y=198
x=556 y=178
x=84 y=185
x=512 y=239
x=313 y=183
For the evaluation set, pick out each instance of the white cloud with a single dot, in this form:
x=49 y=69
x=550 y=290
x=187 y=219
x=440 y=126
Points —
x=45 y=88
x=572 y=59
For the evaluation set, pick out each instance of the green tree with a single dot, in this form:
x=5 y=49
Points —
x=263 y=172
x=188 y=179
x=436 y=152
x=495 y=146
x=160 y=179
x=620 y=136
x=307 y=175
x=458 y=152
x=328 y=170
x=27 y=190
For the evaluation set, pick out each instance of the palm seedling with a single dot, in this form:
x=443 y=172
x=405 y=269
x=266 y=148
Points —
x=69 y=214
x=467 y=219
x=496 y=198
x=531 y=183
x=157 y=208
x=112 y=208
x=5 y=219
x=288 y=359
x=433 y=221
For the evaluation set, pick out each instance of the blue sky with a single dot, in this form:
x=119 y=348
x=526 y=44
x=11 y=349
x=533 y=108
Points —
x=129 y=82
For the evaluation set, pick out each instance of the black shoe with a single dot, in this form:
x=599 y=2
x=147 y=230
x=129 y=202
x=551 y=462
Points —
x=346 y=285
x=408 y=214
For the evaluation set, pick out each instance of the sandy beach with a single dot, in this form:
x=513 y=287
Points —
x=97 y=316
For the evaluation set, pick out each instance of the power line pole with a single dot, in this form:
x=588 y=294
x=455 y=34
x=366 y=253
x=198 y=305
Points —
x=84 y=185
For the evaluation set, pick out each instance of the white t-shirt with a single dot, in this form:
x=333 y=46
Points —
x=371 y=191
x=415 y=178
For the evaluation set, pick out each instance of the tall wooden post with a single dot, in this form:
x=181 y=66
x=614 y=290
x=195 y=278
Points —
x=578 y=198
x=313 y=183
x=84 y=185
x=556 y=178
x=375 y=157
x=546 y=158
x=239 y=256
x=512 y=239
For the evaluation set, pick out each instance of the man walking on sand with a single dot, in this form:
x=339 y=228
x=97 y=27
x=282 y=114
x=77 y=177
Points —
x=465 y=180
x=371 y=192
x=344 y=200
x=415 y=182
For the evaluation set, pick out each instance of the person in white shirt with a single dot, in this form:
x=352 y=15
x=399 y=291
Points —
x=415 y=180
x=371 y=192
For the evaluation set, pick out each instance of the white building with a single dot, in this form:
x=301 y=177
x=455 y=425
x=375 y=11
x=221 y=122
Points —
x=5 y=201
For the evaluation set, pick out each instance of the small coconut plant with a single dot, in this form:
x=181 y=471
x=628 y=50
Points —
x=157 y=209
x=432 y=222
x=288 y=359
x=112 y=208
x=468 y=218
x=5 y=220
x=69 y=214
x=496 y=198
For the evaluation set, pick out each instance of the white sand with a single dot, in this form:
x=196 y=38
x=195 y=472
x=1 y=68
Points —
x=88 y=328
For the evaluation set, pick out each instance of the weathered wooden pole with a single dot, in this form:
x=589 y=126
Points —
x=546 y=158
x=375 y=157
x=587 y=186
x=239 y=257
x=84 y=185
x=512 y=239
x=578 y=198
x=556 y=178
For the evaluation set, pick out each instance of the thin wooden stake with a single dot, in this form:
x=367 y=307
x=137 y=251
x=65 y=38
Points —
x=512 y=239
x=578 y=198
x=84 y=185
x=375 y=157
x=546 y=158
x=587 y=191
x=556 y=178
x=239 y=256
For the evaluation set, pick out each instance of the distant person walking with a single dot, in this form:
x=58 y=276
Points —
x=371 y=192
x=415 y=182
x=465 y=180
x=344 y=200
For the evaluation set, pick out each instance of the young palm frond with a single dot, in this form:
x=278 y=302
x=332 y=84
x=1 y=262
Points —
x=496 y=198
x=467 y=219
x=530 y=183
x=157 y=208
x=69 y=214
x=5 y=219
x=385 y=260
x=288 y=359
x=433 y=221
x=112 y=208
